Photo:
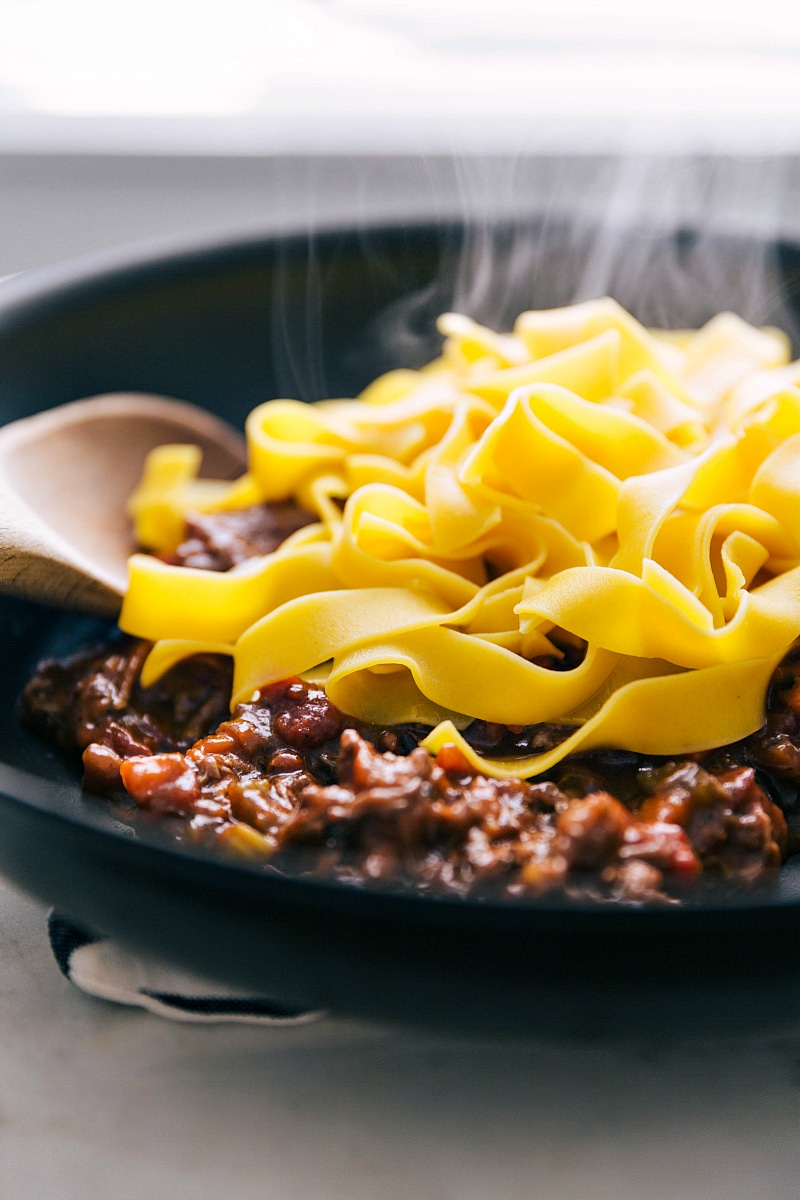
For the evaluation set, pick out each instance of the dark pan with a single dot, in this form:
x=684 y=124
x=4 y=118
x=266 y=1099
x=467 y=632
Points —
x=227 y=326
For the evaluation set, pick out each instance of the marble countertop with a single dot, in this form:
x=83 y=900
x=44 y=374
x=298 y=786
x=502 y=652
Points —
x=101 y=1102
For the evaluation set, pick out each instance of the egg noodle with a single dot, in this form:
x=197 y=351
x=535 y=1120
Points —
x=582 y=480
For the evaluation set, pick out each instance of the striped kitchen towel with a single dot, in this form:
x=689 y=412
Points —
x=101 y=968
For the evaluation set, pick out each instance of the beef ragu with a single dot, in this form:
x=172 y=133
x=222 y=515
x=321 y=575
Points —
x=290 y=781
x=547 y=545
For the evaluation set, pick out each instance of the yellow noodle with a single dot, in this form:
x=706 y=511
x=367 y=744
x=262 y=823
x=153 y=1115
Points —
x=581 y=478
x=718 y=703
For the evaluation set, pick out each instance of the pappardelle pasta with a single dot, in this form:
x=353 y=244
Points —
x=581 y=481
x=525 y=621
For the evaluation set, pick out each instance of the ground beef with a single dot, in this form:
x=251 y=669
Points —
x=290 y=781
x=776 y=747
x=434 y=824
x=218 y=541
x=93 y=702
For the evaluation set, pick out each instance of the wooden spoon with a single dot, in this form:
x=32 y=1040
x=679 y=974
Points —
x=65 y=479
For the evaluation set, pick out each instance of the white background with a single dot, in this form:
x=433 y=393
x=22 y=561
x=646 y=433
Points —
x=412 y=76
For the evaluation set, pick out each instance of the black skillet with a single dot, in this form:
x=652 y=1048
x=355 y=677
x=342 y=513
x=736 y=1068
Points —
x=226 y=326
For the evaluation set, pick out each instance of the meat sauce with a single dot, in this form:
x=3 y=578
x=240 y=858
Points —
x=291 y=781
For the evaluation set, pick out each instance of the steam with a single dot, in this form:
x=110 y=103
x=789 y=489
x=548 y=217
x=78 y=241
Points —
x=675 y=240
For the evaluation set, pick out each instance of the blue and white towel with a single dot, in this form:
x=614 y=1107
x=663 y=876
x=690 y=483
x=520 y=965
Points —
x=102 y=968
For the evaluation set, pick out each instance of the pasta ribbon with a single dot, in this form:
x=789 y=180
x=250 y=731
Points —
x=581 y=486
x=710 y=707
